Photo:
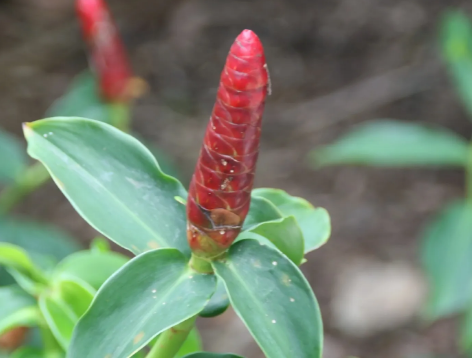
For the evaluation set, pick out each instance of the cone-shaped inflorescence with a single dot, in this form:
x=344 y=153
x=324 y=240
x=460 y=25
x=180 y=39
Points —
x=220 y=190
x=107 y=53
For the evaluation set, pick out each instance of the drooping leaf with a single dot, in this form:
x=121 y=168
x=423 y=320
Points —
x=17 y=308
x=313 y=221
x=63 y=305
x=285 y=234
x=113 y=182
x=148 y=295
x=192 y=344
x=91 y=267
x=446 y=249
x=218 y=303
x=261 y=210
x=456 y=44
x=16 y=260
x=212 y=355
x=13 y=160
x=82 y=99
x=394 y=144
x=273 y=299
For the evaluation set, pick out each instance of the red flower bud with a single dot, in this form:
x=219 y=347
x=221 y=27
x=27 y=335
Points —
x=220 y=190
x=108 y=56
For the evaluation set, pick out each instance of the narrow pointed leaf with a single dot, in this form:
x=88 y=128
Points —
x=17 y=308
x=113 y=182
x=148 y=295
x=91 y=267
x=446 y=253
x=394 y=143
x=313 y=221
x=273 y=299
x=63 y=305
x=13 y=158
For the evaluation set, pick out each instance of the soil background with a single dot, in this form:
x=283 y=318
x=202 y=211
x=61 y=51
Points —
x=333 y=64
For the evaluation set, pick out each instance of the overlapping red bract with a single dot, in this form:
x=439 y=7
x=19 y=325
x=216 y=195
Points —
x=107 y=52
x=220 y=190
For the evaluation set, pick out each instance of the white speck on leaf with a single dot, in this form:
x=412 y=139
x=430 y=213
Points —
x=154 y=291
x=292 y=300
x=274 y=321
x=45 y=135
x=274 y=263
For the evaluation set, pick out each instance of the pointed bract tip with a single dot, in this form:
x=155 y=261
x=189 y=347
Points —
x=27 y=128
x=248 y=36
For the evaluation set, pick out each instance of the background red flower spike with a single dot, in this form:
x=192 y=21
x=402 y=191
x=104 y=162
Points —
x=220 y=190
x=107 y=53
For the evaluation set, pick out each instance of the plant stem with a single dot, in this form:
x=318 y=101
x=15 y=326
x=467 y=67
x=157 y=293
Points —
x=169 y=342
x=31 y=179
x=468 y=174
x=52 y=348
x=200 y=265
x=120 y=114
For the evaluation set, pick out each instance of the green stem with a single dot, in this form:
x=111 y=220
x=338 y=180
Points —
x=169 y=342
x=120 y=115
x=200 y=265
x=468 y=174
x=52 y=349
x=31 y=179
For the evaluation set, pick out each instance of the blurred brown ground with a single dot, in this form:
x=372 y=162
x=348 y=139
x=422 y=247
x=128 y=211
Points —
x=333 y=63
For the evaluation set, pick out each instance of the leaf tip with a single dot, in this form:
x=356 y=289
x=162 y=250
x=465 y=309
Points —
x=27 y=129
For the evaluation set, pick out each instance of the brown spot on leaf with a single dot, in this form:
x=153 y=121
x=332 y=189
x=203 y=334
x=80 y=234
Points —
x=138 y=338
x=286 y=279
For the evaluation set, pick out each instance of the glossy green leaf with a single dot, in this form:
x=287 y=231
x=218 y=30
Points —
x=148 y=295
x=192 y=344
x=13 y=158
x=82 y=99
x=113 y=181
x=63 y=305
x=100 y=245
x=456 y=44
x=446 y=253
x=261 y=210
x=313 y=221
x=274 y=300
x=218 y=303
x=212 y=355
x=394 y=143
x=91 y=267
x=285 y=234
x=465 y=333
x=17 y=308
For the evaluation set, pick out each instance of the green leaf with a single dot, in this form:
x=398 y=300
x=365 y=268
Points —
x=456 y=44
x=274 y=300
x=212 y=355
x=82 y=99
x=446 y=250
x=151 y=293
x=285 y=234
x=113 y=181
x=63 y=305
x=218 y=303
x=395 y=144
x=192 y=344
x=91 y=267
x=17 y=308
x=313 y=221
x=100 y=245
x=28 y=352
x=13 y=158
x=261 y=210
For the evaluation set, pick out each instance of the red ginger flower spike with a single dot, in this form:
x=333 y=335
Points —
x=108 y=55
x=220 y=190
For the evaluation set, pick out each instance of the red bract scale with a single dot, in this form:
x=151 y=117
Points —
x=220 y=190
x=108 y=56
